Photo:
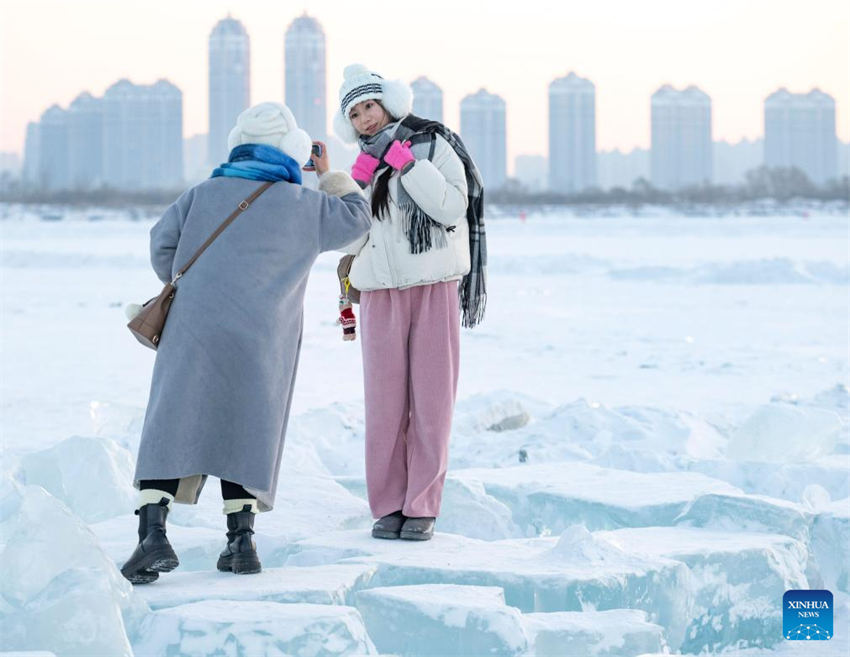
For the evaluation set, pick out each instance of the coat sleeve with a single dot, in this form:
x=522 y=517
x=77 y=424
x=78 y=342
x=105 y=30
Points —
x=165 y=235
x=345 y=216
x=438 y=186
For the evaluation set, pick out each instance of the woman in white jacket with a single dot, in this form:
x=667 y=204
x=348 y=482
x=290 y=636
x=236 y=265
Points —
x=408 y=268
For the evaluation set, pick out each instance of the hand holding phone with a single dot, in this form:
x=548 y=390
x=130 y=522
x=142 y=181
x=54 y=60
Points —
x=317 y=153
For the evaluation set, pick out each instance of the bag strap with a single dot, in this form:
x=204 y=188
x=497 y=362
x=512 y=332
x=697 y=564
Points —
x=244 y=205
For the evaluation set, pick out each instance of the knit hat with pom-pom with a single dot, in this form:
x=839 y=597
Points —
x=272 y=124
x=361 y=84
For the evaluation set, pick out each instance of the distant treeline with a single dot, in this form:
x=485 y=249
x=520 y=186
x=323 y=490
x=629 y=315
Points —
x=780 y=184
x=105 y=197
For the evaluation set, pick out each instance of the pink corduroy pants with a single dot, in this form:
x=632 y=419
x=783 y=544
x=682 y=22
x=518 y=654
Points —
x=410 y=370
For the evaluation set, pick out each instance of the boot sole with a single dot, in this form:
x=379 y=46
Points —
x=165 y=565
x=415 y=536
x=240 y=565
x=142 y=577
x=383 y=533
x=147 y=569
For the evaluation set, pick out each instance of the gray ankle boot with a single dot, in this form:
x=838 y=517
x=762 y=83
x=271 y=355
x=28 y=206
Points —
x=240 y=554
x=388 y=526
x=418 y=529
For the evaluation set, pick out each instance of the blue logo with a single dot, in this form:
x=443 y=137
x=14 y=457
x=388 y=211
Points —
x=807 y=615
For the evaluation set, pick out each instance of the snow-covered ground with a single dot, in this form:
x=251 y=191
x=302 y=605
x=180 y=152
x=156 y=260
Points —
x=651 y=444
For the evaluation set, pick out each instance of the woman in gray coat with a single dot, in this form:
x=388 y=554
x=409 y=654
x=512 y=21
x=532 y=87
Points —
x=226 y=362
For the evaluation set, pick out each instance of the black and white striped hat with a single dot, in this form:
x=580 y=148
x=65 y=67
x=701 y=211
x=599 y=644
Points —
x=361 y=84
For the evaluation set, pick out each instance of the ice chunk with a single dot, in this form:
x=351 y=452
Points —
x=490 y=429
x=467 y=509
x=590 y=633
x=838 y=646
x=548 y=498
x=441 y=619
x=59 y=590
x=736 y=512
x=253 y=628
x=784 y=480
x=305 y=502
x=533 y=576
x=815 y=497
x=831 y=544
x=331 y=584
x=121 y=422
x=499 y=410
x=785 y=433
x=335 y=433
x=632 y=437
x=737 y=578
x=578 y=544
x=66 y=472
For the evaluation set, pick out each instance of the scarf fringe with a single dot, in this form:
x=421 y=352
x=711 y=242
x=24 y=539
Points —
x=473 y=299
x=423 y=233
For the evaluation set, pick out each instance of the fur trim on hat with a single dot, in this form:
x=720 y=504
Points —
x=360 y=84
x=272 y=124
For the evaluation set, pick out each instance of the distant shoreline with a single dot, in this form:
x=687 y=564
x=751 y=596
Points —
x=132 y=209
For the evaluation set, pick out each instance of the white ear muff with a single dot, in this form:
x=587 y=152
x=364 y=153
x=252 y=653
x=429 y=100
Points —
x=297 y=143
x=343 y=128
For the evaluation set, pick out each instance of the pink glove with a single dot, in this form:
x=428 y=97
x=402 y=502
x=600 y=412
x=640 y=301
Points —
x=363 y=168
x=399 y=155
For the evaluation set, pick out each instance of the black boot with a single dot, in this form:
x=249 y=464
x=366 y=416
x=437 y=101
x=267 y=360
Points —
x=154 y=554
x=240 y=553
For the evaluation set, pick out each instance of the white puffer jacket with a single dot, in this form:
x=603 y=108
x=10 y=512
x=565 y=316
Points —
x=383 y=258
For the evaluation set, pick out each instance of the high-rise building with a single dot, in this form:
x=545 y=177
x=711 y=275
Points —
x=85 y=142
x=572 y=134
x=32 y=154
x=799 y=131
x=681 y=153
x=10 y=164
x=427 y=99
x=618 y=169
x=305 y=85
x=532 y=171
x=482 y=127
x=143 y=135
x=55 y=172
x=843 y=159
x=230 y=83
x=732 y=161
x=196 y=165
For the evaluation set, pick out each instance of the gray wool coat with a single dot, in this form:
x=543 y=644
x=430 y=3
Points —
x=226 y=363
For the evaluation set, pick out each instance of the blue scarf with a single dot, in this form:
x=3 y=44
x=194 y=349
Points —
x=259 y=162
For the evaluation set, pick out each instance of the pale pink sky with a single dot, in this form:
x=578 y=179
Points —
x=738 y=51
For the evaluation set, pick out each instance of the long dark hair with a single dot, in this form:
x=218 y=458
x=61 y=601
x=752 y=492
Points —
x=381 y=194
x=381 y=186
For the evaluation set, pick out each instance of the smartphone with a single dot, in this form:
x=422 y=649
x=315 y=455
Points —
x=317 y=151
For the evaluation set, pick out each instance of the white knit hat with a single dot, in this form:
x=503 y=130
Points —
x=274 y=125
x=361 y=84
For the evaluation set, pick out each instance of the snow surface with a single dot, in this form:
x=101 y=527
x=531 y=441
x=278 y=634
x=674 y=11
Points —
x=651 y=444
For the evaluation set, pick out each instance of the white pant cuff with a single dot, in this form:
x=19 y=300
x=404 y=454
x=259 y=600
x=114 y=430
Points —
x=234 y=506
x=153 y=496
